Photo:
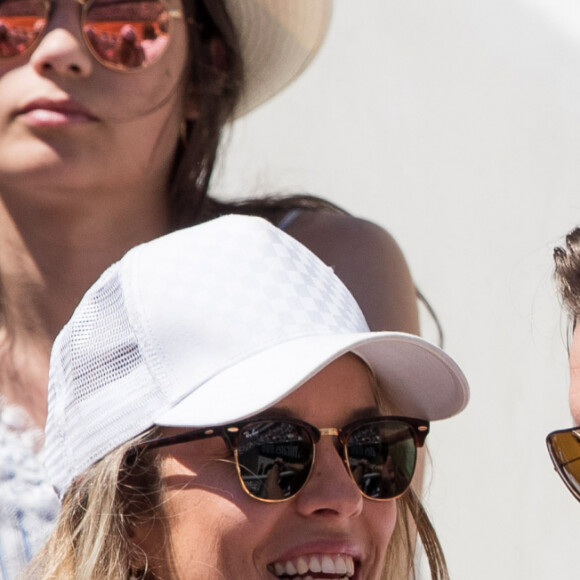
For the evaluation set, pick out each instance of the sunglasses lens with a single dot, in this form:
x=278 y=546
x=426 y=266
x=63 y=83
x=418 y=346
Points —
x=565 y=451
x=274 y=459
x=127 y=34
x=22 y=22
x=382 y=457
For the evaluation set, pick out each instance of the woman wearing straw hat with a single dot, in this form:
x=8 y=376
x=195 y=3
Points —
x=219 y=409
x=110 y=118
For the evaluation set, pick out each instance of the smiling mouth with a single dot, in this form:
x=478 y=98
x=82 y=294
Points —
x=315 y=567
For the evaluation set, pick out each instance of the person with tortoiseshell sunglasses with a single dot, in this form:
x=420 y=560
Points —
x=564 y=444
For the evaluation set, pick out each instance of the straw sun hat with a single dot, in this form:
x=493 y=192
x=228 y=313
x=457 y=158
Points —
x=278 y=40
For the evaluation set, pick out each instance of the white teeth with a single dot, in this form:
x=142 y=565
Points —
x=290 y=568
x=328 y=565
x=315 y=565
x=302 y=567
x=349 y=566
x=340 y=566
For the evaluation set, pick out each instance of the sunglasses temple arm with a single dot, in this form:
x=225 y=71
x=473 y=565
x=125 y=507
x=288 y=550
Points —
x=196 y=435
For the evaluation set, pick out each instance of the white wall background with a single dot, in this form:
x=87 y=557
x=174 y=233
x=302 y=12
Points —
x=455 y=124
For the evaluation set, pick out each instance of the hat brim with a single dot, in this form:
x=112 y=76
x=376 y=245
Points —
x=278 y=40
x=419 y=379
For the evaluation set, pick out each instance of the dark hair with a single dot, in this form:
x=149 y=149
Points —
x=567 y=272
x=216 y=89
x=216 y=92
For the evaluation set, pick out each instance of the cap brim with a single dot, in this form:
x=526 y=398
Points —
x=418 y=377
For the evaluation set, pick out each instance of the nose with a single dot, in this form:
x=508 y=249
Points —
x=330 y=490
x=62 y=50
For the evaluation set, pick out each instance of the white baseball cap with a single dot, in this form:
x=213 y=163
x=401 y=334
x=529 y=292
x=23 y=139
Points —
x=212 y=324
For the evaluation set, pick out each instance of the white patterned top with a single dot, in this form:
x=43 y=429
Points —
x=28 y=504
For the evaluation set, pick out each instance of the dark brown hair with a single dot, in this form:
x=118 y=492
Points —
x=216 y=89
x=567 y=272
x=215 y=92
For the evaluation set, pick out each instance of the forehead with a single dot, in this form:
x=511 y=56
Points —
x=341 y=392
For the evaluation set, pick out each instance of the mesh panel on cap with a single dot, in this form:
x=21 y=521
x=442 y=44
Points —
x=106 y=360
x=95 y=356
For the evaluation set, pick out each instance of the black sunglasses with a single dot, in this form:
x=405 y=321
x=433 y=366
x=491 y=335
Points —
x=123 y=35
x=564 y=449
x=274 y=457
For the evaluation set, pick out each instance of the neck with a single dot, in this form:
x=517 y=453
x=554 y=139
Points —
x=48 y=259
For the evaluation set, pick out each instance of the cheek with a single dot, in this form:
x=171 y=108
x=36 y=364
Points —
x=204 y=530
x=141 y=94
x=214 y=528
x=130 y=96
x=13 y=85
x=575 y=395
x=575 y=375
x=384 y=520
x=377 y=529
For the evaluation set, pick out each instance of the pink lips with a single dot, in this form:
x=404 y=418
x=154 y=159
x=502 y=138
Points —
x=54 y=113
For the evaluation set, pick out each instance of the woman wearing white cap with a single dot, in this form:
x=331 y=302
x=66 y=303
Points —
x=219 y=409
x=110 y=118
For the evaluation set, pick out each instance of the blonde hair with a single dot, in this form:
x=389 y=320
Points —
x=92 y=537
x=412 y=520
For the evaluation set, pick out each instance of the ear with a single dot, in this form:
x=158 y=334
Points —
x=191 y=109
x=219 y=62
x=219 y=56
x=191 y=103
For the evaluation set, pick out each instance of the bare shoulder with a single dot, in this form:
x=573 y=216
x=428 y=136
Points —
x=370 y=263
